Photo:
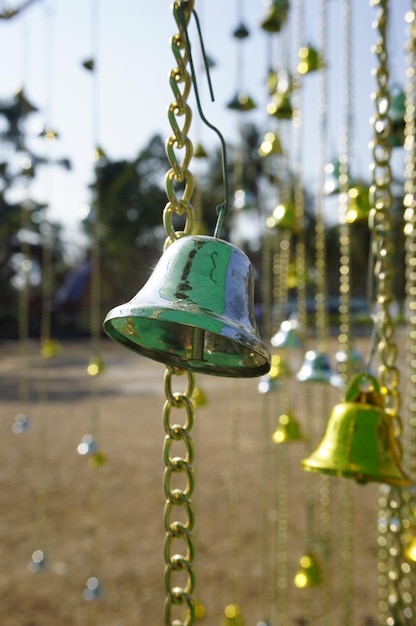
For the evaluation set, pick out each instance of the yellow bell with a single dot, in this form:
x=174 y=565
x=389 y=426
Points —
x=358 y=203
x=309 y=573
x=198 y=397
x=359 y=440
x=288 y=429
x=280 y=106
x=232 y=615
x=270 y=145
x=241 y=102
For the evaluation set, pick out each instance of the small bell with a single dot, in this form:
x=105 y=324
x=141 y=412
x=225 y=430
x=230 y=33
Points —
x=38 y=562
x=276 y=16
x=288 y=429
x=358 y=203
x=280 y=106
x=310 y=60
x=410 y=550
x=200 y=152
x=284 y=218
x=309 y=573
x=315 y=368
x=359 y=440
x=397 y=116
x=270 y=145
x=241 y=32
x=288 y=335
x=241 y=102
x=232 y=616
x=198 y=397
x=93 y=589
x=196 y=311
x=21 y=423
x=267 y=385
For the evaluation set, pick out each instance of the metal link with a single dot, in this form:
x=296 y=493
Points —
x=179 y=184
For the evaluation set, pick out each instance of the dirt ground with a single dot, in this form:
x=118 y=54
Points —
x=256 y=511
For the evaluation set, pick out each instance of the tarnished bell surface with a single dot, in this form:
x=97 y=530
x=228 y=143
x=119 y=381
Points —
x=196 y=311
x=359 y=441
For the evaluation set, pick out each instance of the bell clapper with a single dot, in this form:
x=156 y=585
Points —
x=197 y=354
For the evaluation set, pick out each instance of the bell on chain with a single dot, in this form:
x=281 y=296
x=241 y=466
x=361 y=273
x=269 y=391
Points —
x=241 y=31
x=288 y=335
x=309 y=573
x=397 y=116
x=288 y=429
x=284 y=218
x=276 y=16
x=310 y=60
x=315 y=368
x=196 y=311
x=241 y=102
x=359 y=440
x=358 y=203
x=270 y=145
x=280 y=106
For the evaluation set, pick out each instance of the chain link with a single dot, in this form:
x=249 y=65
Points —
x=178 y=453
x=394 y=590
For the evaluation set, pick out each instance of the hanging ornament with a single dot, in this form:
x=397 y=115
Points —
x=96 y=366
x=244 y=200
x=350 y=361
x=397 y=117
x=310 y=60
x=289 y=335
x=309 y=573
x=200 y=152
x=199 y=398
x=232 y=616
x=87 y=445
x=93 y=589
x=241 y=32
x=284 y=217
x=38 y=562
x=280 y=106
x=271 y=145
x=288 y=429
x=241 y=102
x=21 y=423
x=315 y=368
x=276 y=16
x=359 y=440
x=358 y=203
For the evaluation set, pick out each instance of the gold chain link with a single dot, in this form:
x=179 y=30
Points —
x=178 y=453
x=395 y=597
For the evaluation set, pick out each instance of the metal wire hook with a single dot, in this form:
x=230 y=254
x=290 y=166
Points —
x=221 y=208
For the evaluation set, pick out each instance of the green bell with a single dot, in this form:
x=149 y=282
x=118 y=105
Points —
x=196 y=311
x=284 y=218
x=315 y=368
x=309 y=573
x=270 y=145
x=397 y=116
x=288 y=429
x=280 y=106
x=359 y=440
x=276 y=16
x=241 y=102
x=232 y=616
x=310 y=60
x=358 y=203
x=241 y=32
x=288 y=335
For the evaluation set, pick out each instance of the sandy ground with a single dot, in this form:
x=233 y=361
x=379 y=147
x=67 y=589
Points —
x=257 y=512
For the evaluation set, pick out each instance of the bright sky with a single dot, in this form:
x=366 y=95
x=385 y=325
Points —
x=125 y=101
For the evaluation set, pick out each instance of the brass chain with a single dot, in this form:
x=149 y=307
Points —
x=178 y=453
x=395 y=597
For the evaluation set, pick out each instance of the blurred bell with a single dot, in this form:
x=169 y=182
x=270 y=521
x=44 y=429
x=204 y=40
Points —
x=38 y=561
x=288 y=429
x=200 y=152
x=241 y=102
x=288 y=335
x=89 y=64
x=279 y=367
x=280 y=106
x=241 y=32
x=358 y=203
x=93 y=589
x=276 y=16
x=232 y=616
x=397 y=116
x=284 y=218
x=196 y=311
x=267 y=384
x=348 y=363
x=21 y=423
x=198 y=397
x=331 y=185
x=270 y=145
x=310 y=60
x=244 y=199
x=359 y=440
x=410 y=550
x=309 y=573
x=315 y=368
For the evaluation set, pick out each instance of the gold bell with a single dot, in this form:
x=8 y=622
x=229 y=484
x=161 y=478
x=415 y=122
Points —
x=280 y=106
x=309 y=573
x=358 y=203
x=359 y=440
x=241 y=102
x=276 y=16
x=288 y=429
x=196 y=311
x=270 y=145
x=232 y=616
x=315 y=368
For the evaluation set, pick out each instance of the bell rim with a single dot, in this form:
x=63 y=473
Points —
x=168 y=315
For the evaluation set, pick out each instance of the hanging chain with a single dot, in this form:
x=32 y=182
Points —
x=178 y=451
x=179 y=148
x=395 y=597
